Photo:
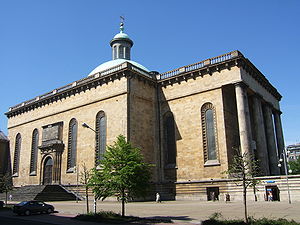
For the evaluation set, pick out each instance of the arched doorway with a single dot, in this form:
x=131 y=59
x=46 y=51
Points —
x=48 y=167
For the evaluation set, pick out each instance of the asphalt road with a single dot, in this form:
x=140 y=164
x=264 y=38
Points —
x=19 y=221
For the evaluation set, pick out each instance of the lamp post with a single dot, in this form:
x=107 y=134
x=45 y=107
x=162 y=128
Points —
x=85 y=125
x=284 y=160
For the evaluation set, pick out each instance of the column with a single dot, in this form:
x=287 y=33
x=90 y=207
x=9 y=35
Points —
x=272 y=150
x=243 y=118
x=279 y=136
x=260 y=136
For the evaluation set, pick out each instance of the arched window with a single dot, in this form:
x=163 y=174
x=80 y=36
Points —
x=169 y=139
x=100 y=136
x=72 y=145
x=34 y=152
x=209 y=129
x=127 y=53
x=17 y=155
x=121 y=52
x=115 y=52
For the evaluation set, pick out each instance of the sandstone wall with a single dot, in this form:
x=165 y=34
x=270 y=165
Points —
x=143 y=121
x=185 y=100
x=83 y=106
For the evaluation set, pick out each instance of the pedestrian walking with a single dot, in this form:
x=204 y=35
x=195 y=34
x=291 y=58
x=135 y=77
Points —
x=158 y=200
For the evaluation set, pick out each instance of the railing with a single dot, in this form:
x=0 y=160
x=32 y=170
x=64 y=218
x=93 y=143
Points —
x=80 y=82
x=221 y=58
x=66 y=87
x=198 y=65
x=46 y=95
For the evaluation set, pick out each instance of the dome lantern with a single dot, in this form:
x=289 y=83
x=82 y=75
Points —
x=121 y=44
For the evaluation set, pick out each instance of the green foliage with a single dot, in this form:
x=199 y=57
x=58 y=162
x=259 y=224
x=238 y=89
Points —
x=84 y=178
x=262 y=221
x=111 y=217
x=215 y=216
x=121 y=172
x=295 y=166
x=99 y=216
x=6 y=183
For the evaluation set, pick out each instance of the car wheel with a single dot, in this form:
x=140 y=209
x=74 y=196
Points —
x=27 y=213
x=49 y=210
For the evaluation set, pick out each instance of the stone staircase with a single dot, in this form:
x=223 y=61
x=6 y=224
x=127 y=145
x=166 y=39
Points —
x=28 y=192
x=56 y=193
x=41 y=192
x=79 y=191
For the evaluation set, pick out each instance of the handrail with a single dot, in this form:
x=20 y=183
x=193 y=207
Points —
x=198 y=65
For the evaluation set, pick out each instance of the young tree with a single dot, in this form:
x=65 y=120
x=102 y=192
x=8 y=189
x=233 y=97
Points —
x=244 y=168
x=122 y=172
x=6 y=185
x=85 y=176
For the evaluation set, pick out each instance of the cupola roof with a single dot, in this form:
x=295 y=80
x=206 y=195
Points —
x=121 y=47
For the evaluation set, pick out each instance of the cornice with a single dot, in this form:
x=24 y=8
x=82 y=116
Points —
x=259 y=77
x=182 y=74
x=116 y=73
x=216 y=64
x=208 y=66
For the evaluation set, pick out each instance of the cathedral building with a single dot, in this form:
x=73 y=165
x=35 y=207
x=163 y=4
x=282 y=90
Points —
x=187 y=122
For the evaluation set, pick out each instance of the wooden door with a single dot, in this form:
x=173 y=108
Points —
x=48 y=167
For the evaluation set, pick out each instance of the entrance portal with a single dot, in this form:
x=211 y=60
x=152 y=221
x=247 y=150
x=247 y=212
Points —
x=212 y=193
x=48 y=167
x=272 y=193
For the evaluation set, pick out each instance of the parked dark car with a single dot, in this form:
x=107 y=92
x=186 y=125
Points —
x=30 y=207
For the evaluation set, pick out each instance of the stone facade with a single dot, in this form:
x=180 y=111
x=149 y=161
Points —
x=213 y=106
x=5 y=162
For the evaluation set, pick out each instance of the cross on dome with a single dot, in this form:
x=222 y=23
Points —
x=122 y=24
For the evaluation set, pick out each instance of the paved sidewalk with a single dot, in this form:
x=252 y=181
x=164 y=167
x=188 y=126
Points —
x=181 y=212
x=190 y=211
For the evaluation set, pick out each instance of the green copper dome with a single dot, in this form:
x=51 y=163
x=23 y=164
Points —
x=116 y=62
x=121 y=36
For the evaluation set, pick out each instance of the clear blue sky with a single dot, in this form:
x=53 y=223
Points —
x=45 y=44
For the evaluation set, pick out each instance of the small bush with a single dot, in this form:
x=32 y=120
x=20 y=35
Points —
x=111 y=217
x=265 y=221
x=215 y=220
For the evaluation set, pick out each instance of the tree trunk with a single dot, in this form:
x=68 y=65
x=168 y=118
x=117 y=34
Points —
x=254 y=191
x=123 y=203
x=87 y=198
x=6 y=194
x=245 y=199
